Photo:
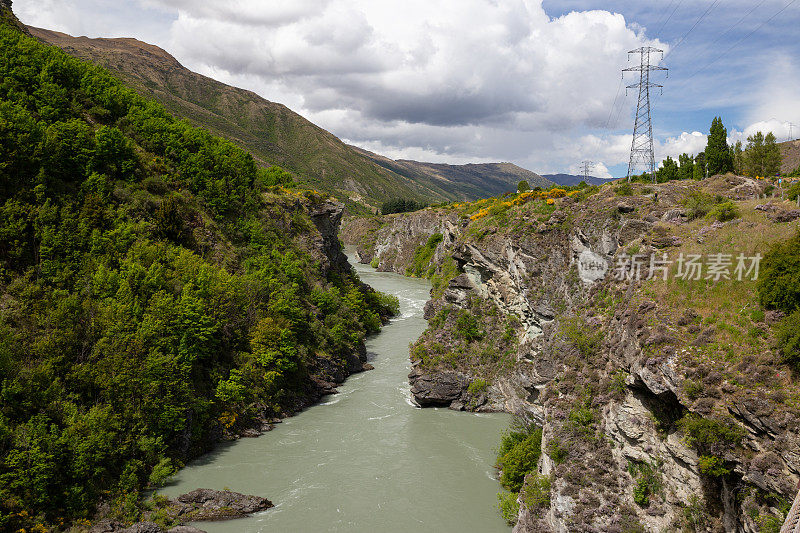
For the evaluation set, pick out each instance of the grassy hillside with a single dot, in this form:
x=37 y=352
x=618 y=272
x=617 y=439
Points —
x=276 y=135
x=790 y=157
x=158 y=291
x=273 y=133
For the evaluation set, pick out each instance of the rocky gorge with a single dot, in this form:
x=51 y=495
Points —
x=662 y=404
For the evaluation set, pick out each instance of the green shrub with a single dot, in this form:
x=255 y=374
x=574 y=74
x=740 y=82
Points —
x=710 y=438
x=161 y=472
x=477 y=386
x=692 y=389
x=794 y=190
x=648 y=482
x=623 y=189
x=582 y=418
x=769 y=524
x=401 y=205
x=467 y=327
x=698 y=205
x=725 y=211
x=779 y=279
x=557 y=452
x=518 y=456
x=617 y=383
x=509 y=507
x=536 y=492
x=375 y=262
x=421 y=263
x=713 y=466
x=587 y=342
x=787 y=338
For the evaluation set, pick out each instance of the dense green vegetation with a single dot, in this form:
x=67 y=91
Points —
x=779 y=288
x=401 y=205
x=761 y=157
x=421 y=265
x=711 y=439
x=517 y=458
x=157 y=288
x=718 y=153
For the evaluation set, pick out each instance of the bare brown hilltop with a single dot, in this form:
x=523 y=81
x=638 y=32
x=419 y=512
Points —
x=790 y=156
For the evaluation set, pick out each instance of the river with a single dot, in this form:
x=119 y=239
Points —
x=365 y=460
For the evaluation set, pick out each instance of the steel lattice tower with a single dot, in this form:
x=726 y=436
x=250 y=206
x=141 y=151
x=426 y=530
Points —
x=586 y=166
x=642 y=145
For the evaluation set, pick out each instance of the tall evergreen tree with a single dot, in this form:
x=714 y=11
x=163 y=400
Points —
x=737 y=153
x=700 y=166
x=754 y=155
x=718 y=155
x=668 y=171
x=686 y=171
x=772 y=156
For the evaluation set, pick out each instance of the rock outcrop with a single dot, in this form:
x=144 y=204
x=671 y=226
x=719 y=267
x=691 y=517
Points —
x=657 y=385
x=208 y=504
x=196 y=506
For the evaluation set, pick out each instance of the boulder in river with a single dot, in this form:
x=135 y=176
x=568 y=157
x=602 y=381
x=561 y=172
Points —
x=437 y=389
x=209 y=504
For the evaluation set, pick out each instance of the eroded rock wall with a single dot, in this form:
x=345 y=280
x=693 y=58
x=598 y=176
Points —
x=650 y=428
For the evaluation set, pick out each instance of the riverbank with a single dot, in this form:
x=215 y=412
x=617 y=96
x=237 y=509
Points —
x=366 y=459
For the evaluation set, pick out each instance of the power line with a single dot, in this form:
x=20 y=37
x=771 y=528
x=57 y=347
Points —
x=669 y=17
x=614 y=105
x=698 y=21
x=664 y=12
x=726 y=32
x=737 y=43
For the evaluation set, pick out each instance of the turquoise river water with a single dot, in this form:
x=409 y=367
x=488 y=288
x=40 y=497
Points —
x=365 y=460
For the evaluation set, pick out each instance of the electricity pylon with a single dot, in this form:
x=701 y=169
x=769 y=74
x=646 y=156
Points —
x=642 y=144
x=586 y=166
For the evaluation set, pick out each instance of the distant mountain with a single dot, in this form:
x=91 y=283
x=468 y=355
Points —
x=573 y=179
x=462 y=182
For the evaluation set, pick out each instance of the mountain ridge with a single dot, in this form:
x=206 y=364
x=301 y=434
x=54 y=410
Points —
x=276 y=135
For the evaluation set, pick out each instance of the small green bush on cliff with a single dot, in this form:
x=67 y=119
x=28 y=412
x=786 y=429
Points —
x=711 y=439
x=467 y=327
x=421 y=263
x=712 y=465
x=648 y=481
x=477 y=386
x=509 y=506
x=536 y=492
x=518 y=456
x=587 y=342
x=787 y=338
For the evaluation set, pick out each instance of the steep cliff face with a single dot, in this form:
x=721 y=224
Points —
x=159 y=292
x=663 y=404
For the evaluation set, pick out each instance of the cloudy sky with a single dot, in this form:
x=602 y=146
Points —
x=534 y=82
